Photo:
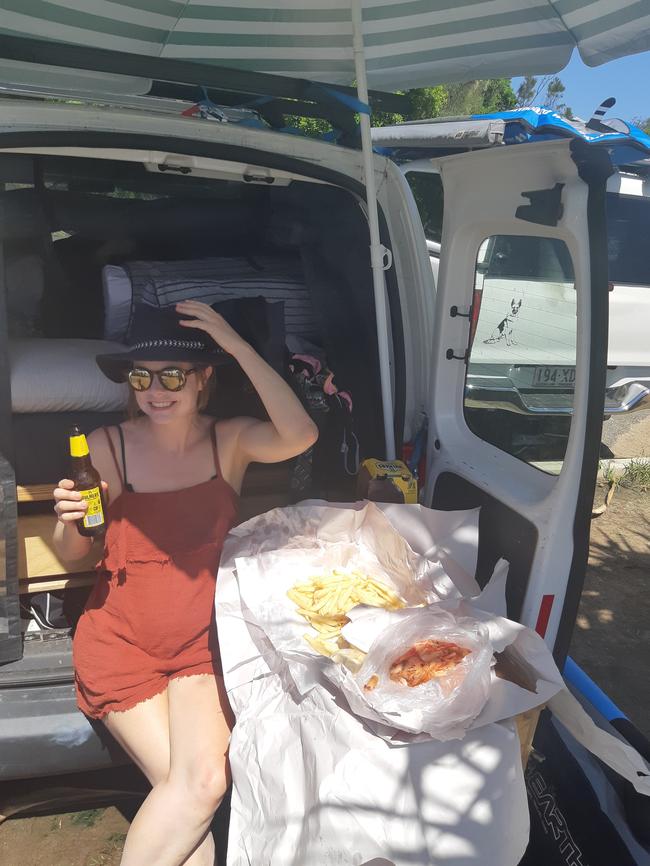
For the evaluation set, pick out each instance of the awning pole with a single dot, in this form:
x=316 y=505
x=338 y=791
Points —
x=377 y=250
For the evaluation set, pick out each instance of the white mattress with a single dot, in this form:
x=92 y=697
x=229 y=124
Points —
x=62 y=376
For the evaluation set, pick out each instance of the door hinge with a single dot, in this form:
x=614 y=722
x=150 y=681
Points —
x=381 y=257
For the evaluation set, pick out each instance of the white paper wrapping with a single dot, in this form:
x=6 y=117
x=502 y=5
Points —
x=366 y=539
x=312 y=784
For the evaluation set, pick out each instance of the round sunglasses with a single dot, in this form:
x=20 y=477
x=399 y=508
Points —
x=171 y=378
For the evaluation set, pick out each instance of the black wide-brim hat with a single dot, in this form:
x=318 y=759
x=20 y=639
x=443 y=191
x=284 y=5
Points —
x=156 y=335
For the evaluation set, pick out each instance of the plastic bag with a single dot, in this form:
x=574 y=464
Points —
x=443 y=707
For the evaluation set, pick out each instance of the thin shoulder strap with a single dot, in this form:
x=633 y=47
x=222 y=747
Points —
x=215 y=450
x=111 y=448
x=124 y=477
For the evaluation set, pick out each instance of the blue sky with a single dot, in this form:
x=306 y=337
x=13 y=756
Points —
x=626 y=79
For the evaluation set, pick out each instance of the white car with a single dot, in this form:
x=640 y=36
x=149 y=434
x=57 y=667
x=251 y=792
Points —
x=523 y=349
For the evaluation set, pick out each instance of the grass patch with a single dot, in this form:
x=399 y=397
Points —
x=608 y=472
x=86 y=818
x=110 y=854
x=637 y=475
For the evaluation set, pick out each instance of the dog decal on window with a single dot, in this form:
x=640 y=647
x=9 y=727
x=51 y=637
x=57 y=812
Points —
x=505 y=329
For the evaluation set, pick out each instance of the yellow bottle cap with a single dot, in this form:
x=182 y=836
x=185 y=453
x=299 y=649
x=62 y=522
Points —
x=78 y=446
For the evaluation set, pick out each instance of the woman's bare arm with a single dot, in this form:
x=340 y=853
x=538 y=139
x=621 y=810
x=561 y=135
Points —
x=290 y=430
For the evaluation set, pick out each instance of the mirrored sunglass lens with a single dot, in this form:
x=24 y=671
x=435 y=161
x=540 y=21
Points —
x=172 y=380
x=139 y=380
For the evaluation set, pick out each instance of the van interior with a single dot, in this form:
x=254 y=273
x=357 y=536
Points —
x=83 y=238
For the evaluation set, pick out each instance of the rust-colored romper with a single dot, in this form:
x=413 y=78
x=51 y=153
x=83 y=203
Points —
x=150 y=617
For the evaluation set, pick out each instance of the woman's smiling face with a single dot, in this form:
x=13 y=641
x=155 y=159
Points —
x=162 y=405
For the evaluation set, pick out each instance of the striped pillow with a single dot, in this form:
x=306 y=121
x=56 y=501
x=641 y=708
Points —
x=219 y=279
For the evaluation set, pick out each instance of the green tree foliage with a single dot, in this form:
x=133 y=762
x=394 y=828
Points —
x=499 y=95
x=479 y=97
x=453 y=100
x=470 y=97
x=547 y=91
x=554 y=93
x=308 y=125
x=428 y=101
x=526 y=91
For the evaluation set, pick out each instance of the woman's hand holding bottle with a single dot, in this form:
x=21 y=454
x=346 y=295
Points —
x=69 y=505
x=69 y=508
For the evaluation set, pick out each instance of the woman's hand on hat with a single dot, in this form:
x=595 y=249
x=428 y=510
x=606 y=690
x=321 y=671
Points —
x=206 y=319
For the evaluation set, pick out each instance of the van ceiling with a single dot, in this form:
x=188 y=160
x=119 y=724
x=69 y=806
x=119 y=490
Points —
x=161 y=162
x=103 y=175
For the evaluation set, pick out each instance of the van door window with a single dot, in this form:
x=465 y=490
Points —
x=522 y=353
x=427 y=192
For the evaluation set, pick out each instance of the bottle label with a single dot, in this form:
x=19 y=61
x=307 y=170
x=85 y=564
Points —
x=95 y=514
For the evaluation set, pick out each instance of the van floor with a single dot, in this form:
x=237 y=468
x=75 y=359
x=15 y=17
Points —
x=611 y=629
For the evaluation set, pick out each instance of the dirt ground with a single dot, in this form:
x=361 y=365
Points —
x=628 y=436
x=94 y=837
x=612 y=632
x=610 y=643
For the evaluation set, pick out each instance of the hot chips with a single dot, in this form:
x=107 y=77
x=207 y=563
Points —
x=324 y=602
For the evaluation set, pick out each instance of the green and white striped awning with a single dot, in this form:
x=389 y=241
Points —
x=407 y=44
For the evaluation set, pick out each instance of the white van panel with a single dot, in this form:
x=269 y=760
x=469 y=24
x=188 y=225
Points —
x=483 y=191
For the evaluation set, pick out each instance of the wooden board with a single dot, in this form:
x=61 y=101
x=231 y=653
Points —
x=526 y=726
x=36 y=555
x=70 y=581
x=34 y=492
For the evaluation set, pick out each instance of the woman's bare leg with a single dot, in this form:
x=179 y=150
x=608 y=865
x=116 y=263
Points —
x=143 y=733
x=173 y=822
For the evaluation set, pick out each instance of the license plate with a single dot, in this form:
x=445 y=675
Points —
x=554 y=377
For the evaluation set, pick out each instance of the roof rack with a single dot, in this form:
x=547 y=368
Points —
x=274 y=96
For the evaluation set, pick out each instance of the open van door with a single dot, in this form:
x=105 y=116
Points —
x=548 y=196
x=10 y=633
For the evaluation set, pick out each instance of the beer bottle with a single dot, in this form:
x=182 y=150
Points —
x=88 y=483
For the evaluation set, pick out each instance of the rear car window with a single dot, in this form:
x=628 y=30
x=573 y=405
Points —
x=628 y=234
x=521 y=256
